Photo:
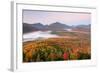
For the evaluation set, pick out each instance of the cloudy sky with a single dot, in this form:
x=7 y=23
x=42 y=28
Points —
x=47 y=17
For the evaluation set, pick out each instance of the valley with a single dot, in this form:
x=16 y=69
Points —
x=57 y=44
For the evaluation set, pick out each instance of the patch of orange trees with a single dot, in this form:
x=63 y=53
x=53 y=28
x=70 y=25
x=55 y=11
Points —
x=56 y=49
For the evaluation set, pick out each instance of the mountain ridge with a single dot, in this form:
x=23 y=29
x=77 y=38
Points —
x=56 y=26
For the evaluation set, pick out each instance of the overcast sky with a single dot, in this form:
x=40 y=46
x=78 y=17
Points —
x=47 y=17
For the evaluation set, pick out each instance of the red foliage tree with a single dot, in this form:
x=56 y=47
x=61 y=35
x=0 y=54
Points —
x=66 y=56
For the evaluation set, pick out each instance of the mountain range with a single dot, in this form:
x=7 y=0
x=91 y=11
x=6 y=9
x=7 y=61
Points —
x=56 y=26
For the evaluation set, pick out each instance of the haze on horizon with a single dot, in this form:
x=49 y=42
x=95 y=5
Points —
x=48 y=17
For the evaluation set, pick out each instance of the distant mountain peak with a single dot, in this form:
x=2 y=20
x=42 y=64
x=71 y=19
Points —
x=37 y=24
x=57 y=23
